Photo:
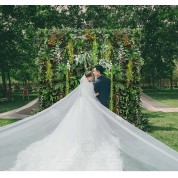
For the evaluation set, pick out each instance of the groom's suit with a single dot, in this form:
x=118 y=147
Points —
x=102 y=86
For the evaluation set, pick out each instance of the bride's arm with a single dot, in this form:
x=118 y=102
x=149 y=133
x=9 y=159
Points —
x=95 y=89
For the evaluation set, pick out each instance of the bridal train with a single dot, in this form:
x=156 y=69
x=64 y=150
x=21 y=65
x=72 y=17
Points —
x=77 y=134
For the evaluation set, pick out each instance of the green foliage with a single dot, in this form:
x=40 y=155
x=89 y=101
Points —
x=95 y=46
x=49 y=72
x=165 y=96
x=111 y=104
x=79 y=50
x=67 y=81
x=159 y=47
x=19 y=25
x=70 y=50
x=164 y=127
x=17 y=102
x=4 y=122
x=129 y=72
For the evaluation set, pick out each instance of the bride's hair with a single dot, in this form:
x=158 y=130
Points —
x=88 y=73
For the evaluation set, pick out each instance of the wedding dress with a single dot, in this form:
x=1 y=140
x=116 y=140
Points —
x=78 y=133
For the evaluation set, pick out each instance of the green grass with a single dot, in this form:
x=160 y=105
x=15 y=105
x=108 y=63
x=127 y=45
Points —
x=16 y=103
x=4 y=122
x=166 y=96
x=164 y=127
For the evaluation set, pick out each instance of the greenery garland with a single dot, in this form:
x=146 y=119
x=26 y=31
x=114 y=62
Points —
x=94 y=51
x=49 y=72
x=108 y=51
x=129 y=72
x=70 y=49
x=111 y=104
x=67 y=78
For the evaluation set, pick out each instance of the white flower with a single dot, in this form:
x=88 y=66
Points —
x=68 y=65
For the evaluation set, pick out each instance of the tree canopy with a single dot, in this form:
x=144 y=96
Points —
x=19 y=24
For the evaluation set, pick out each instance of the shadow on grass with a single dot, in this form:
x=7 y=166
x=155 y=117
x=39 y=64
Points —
x=150 y=114
x=156 y=128
x=161 y=121
x=162 y=94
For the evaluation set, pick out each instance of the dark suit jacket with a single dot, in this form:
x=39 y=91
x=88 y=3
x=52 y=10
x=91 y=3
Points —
x=102 y=86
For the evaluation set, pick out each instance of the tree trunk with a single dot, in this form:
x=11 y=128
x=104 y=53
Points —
x=153 y=82
x=171 y=83
x=153 y=79
x=9 y=79
x=4 y=85
x=149 y=83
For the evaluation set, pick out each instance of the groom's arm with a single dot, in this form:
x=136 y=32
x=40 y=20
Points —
x=109 y=83
x=96 y=87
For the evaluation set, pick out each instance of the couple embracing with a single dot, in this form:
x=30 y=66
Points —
x=101 y=84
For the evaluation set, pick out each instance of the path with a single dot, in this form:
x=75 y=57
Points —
x=154 y=105
x=20 y=113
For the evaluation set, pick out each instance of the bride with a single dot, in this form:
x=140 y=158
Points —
x=78 y=133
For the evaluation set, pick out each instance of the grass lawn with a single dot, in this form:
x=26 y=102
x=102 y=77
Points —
x=4 y=122
x=164 y=127
x=16 y=103
x=166 y=96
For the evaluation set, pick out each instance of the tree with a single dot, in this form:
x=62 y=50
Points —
x=159 y=45
x=17 y=33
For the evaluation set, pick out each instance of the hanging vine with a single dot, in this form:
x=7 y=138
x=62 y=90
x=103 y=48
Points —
x=95 y=50
x=111 y=104
x=49 y=72
x=108 y=50
x=129 y=72
x=70 y=49
x=67 y=78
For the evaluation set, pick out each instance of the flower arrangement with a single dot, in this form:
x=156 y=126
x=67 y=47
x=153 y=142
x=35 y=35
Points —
x=51 y=41
x=88 y=35
x=127 y=42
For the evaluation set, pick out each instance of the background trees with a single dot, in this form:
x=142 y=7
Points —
x=17 y=45
x=19 y=24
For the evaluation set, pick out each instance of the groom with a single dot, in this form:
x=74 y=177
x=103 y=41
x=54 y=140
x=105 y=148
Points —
x=101 y=85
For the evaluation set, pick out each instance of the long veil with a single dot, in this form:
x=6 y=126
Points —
x=78 y=133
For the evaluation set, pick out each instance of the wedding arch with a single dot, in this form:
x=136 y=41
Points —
x=64 y=54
